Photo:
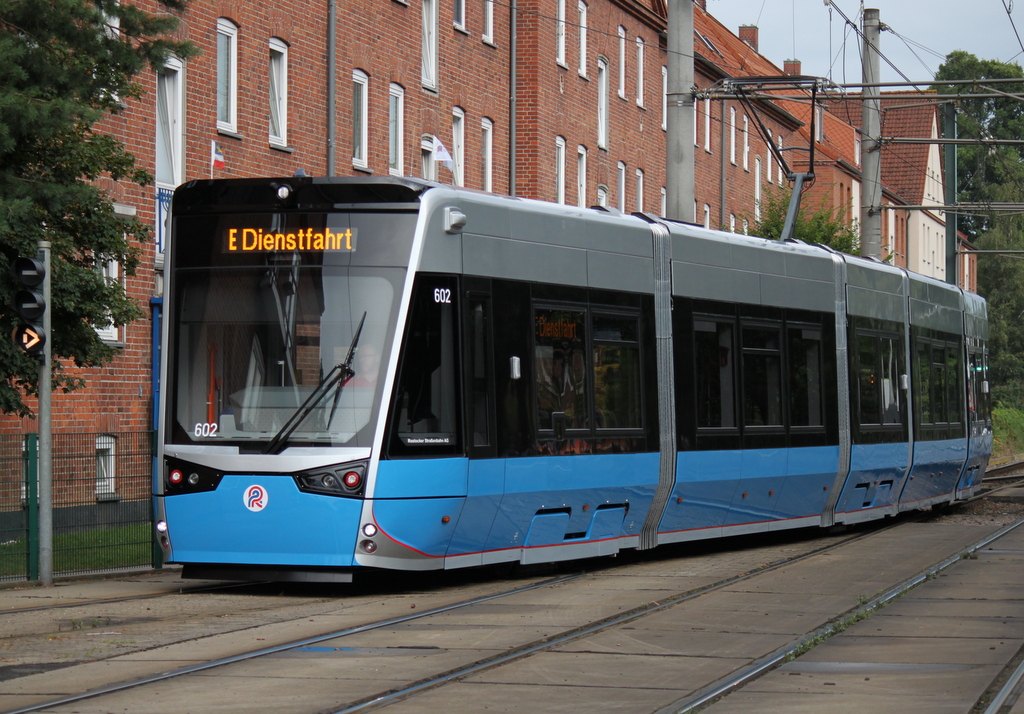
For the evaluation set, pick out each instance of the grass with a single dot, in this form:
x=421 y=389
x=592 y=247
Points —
x=96 y=549
x=1008 y=425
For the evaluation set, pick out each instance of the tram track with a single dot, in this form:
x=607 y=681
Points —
x=522 y=651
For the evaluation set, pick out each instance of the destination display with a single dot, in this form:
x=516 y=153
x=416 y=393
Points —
x=256 y=240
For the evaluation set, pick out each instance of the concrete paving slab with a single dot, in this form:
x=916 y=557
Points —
x=693 y=644
x=928 y=650
x=676 y=674
x=835 y=703
x=448 y=636
x=743 y=612
x=24 y=595
x=1006 y=609
x=925 y=624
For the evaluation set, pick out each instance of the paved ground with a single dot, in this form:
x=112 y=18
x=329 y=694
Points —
x=937 y=649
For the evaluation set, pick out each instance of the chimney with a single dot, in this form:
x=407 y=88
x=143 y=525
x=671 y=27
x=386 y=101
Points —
x=748 y=33
x=791 y=67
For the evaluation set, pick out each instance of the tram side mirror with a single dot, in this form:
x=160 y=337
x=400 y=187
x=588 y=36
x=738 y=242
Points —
x=984 y=387
x=454 y=220
x=515 y=372
x=904 y=382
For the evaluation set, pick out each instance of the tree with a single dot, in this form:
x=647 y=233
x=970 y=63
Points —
x=991 y=172
x=824 y=226
x=66 y=65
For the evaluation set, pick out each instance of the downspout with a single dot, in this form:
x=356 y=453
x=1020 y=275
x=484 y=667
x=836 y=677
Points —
x=513 y=89
x=332 y=68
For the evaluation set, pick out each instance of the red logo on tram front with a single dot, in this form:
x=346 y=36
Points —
x=255 y=498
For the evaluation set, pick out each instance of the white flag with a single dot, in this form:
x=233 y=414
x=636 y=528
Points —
x=441 y=154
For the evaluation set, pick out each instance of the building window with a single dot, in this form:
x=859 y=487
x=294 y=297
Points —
x=639 y=190
x=360 y=122
x=620 y=185
x=732 y=222
x=602 y=103
x=664 y=201
x=640 y=72
x=560 y=169
x=707 y=125
x=428 y=71
x=459 y=14
x=664 y=105
x=278 y=92
x=428 y=167
x=768 y=164
x=110 y=272
x=732 y=135
x=488 y=35
x=459 y=146
x=757 y=189
x=746 y=143
x=105 y=451
x=396 y=130
x=581 y=176
x=169 y=124
x=581 y=20
x=779 y=143
x=487 y=153
x=602 y=196
x=560 y=33
x=227 y=76
x=622 y=62
x=707 y=216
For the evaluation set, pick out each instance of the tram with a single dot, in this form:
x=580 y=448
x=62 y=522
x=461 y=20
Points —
x=392 y=373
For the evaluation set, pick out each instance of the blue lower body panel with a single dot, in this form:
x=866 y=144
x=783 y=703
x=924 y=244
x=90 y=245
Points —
x=273 y=524
x=877 y=472
x=936 y=471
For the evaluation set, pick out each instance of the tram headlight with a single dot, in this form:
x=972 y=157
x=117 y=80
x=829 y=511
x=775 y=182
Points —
x=337 y=480
x=175 y=476
x=368 y=546
x=183 y=477
x=161 y=526
x=369 y=530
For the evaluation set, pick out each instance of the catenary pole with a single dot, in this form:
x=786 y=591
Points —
x=46 y=431
x=871 y=159
x=679 y=159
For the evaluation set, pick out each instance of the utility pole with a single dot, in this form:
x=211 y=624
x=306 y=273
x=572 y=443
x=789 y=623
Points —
x=949 y=132
x=46 y=431
x=679 y=161
x=871 y=159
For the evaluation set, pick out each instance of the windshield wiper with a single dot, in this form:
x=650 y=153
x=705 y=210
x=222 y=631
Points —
x=337 y=377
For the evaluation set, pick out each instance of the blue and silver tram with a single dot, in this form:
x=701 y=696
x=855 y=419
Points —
x=391 y=373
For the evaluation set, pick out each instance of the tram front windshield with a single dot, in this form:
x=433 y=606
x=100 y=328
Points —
x=281 y=326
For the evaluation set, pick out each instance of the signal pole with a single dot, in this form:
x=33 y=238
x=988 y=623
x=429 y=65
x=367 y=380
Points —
x=871 y=159
x=46 y=433
x=679 y=162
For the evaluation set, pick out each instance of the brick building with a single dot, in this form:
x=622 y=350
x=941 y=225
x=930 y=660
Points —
x=574 y=112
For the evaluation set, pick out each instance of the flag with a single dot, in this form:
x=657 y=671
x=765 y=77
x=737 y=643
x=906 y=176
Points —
x=216 y=155
x=441 y=154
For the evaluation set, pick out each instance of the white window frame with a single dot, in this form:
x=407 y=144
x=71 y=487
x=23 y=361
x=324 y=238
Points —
x=278 y=95
x=227 y=76
x=581 y=21
x=664 y=105
x=707 y=216
x=779 y=144
x=488 y=33
x=458 y=150
x=428 y=54
x=746 y=143
x=620 y=185
x=732 y=135
x=602 y=103
x=757 y=189
x=360 y=119
x=639 y=202
x=768 y=164
x=560 y=30
x=732 y=222
x=170 y=124
x=428 y=165
x=664 y=201
x=602 y=195
x=707 y=125
x=396 y=130
x=640 y=46
x=560 y=169
x=487 y=153
x=459 y=14
x=622 y=62
x=111 y=272
x=106 y=451
x=581 y=176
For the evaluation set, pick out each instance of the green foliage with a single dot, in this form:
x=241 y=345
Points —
x=823 y=225
x=990 y=172
x=67 y=64
x=1008 y=425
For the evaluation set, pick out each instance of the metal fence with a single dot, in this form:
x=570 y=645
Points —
x=102 y=505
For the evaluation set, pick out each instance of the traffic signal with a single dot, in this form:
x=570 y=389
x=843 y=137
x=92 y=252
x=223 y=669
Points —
x=29 y=336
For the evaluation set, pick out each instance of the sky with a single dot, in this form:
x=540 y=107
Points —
x=923 y=33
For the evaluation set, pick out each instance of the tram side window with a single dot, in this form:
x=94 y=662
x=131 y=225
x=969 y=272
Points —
x=560 y=357
x=616 y=372
x=879 y=366
x=427 y=388
x=939 y=384
x=762 y=375
x=979 y=403
x=714 y=358
x=479 y=386
x=805 y=377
